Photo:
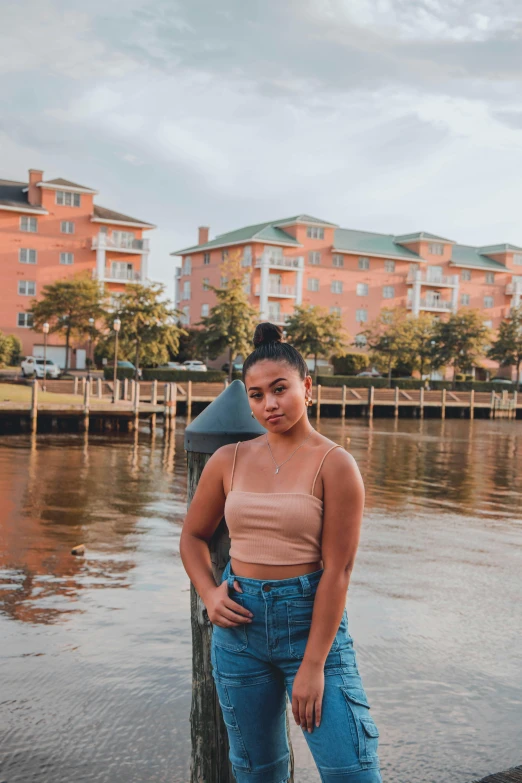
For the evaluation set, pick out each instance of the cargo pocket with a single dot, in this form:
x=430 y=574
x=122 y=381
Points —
x=364 y=731
x=299 y=624
x=233 y=638
x=238 y=753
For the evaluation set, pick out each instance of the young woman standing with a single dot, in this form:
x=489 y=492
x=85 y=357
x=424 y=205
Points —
x=293 y=502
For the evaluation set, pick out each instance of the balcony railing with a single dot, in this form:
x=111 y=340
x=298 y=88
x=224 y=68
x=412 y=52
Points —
x=432 y=304
x=111 y=274
x=277 y=290
x=425 y=278
x=278 y=318
x=281 y=262
x=514 y=288
x=120 y=243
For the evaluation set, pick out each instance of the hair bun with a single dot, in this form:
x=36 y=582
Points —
x=267 y=333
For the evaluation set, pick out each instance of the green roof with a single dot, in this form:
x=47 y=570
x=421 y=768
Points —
x=303 y=219
x=420 y=235
x=261 y=232
x=465 y=255
x=371 y=244
x=497 y=249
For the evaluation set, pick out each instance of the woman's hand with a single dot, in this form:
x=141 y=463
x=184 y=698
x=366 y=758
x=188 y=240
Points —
x=224 y=611
x=307 y=695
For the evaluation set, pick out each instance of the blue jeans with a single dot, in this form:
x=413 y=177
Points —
x=254 y=666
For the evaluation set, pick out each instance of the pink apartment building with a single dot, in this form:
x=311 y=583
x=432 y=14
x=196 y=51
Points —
x=304 y=260
x=52 y=229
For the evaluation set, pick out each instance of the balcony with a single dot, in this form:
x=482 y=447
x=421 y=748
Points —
x=120 y=244
x=514 y=288
x=438 y=281
x=118 y=275
x=280 y=263
x=278 y=318
x=433 y=305
x=282 y=291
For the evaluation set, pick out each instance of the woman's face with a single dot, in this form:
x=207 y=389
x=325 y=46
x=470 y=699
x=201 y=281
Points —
x=277 y=394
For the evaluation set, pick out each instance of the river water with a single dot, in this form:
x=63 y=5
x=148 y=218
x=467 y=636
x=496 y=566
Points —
x=95 y=652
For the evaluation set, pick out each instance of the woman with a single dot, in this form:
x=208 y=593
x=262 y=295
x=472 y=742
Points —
x=279 y=618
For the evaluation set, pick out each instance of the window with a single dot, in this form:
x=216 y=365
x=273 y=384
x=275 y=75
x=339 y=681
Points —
x=434 y=274
x=187 y=265
x=388 y=292
x=389 y=266
x=246 y=283
x=27 y=287
x=206 y=259
x=313 y=284
x=67 y=227
x=186 y=315
x=124 y=239
x=338 y=260
x=224 y=255
x=517 y=259
x=313 y=232
x=361 y=315
x=25 y=320
x=436 y=249
x=465 y=274
x=28 y=224
x=205 y=284
x=335 y=311
x=488 y=301
x=66 y=258
x=224 y=281
x=247 y=256
x=204 y=310
x=314 y=257
x=27 y=256
x=336 y=286
x=186 y=290
x=490 y=277
x=360 y=339
x=66 y=199
x=488 y=324
x=386 y=317
x=363 y=263
x=464 y=299
x=362 y=289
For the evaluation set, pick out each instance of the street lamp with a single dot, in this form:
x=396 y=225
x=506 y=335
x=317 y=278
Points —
x=45 y=329
x=89 y=358
x=116 y=326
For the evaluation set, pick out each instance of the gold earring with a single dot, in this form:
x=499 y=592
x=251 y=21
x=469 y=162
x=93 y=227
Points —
x=252 y=414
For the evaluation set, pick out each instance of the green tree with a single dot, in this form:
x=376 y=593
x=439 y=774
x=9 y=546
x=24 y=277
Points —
x=148 y=326
x=187 y=348
x=230 y=322
x=10 y=350
x=460 y=341
x=507 y=348
x=67 y=306
x=418 y=345
x=389 y=339
x=350 y=364
x=316 y=332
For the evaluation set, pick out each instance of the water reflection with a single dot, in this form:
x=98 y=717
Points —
x=96 y=651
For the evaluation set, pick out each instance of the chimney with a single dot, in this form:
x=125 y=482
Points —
x=203 y=235
x=34 y=194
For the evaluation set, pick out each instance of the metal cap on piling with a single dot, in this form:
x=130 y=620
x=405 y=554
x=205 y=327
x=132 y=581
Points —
x=226 y=420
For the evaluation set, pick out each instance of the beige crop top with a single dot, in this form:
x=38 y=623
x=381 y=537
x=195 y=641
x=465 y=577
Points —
x=282 y=528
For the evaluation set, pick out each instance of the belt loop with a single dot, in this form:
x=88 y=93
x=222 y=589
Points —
x=305 y=585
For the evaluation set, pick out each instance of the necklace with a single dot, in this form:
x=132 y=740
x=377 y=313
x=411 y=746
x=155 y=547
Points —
x=291 y=455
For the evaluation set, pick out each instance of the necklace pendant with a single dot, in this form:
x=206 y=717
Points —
x=277 y=470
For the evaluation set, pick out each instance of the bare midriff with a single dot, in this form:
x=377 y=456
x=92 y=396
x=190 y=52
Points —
x=260 y=571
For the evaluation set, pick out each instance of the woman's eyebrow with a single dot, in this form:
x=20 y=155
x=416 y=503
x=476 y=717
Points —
x=270 y=384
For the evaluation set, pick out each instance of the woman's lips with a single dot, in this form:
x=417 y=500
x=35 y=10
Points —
x=274 y=418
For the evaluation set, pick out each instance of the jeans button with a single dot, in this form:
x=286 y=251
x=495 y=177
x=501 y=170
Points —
x=266 y=588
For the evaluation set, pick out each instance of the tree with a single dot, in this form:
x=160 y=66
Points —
x=417 y=349
x=187 y=348
x=507 y=348
x=147 y=324
x=460 y=340
x=67 y=306
x=390 y=339
x=350 y=364
x=315 y=332
x=10 y=350
x=231 y=321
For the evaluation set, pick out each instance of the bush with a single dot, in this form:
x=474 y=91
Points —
x=10 y=350
x=122 y=373
x=178 y=376
x=350 y=364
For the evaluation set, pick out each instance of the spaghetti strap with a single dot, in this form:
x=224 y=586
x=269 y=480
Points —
x=337 y=446
x=234 y=465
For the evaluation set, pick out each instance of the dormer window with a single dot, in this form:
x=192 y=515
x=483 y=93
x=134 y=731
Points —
x=65 y=198
x=314 y=232
x=517 y=259
x=436 y=249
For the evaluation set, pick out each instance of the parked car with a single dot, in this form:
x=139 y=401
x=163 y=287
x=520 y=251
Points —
x=125 y=364
x=195 y=364
x=369 y=374
x=236 y=366
x=502 y=380
x=172 y=366
x=35 y=366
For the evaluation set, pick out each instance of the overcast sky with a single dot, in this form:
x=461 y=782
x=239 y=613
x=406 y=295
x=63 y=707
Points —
x=386 y=115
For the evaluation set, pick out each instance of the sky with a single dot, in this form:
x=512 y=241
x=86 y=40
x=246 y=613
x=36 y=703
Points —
x=383 y=115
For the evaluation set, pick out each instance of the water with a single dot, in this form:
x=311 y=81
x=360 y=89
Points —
x=95 y=652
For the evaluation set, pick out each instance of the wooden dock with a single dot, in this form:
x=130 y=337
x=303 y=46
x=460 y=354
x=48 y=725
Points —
x=513 y=775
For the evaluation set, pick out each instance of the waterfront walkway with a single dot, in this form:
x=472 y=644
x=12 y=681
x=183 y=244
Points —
x=513 y=775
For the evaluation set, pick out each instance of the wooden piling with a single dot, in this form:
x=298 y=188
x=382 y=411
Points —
x=443 y=404
x=173 y=402
x=371 y=395
x=472 y=404
x=116 y=391
x=34 y=405
x=421 y=402
x=166 y=410
x=125 y=388
x=86 y=405
x=75 y=387
x=318 y=404
x=396 y=402
x=189 y=399
x=343 y=404
x=99 y=388
x=136 y=403
x=492 y=406
x=84 y=382
x=154 y=393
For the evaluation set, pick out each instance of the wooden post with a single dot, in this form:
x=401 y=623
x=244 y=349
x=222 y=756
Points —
x=34 y=405
x=343 y=404
x=166 y=410
x=515 y=395
x=99 y=388
x=75 y=387
x=492 y=406
x=189 y=399
x=117 y=391
x=421 y=402
x=371 y=395
x=125 y=388
x=443 y=404
x=209 y=738
x=136 y=403
x=154 y=393
x=396 y=402
x=173 y=402
x=83 y=386
x=318 y=404
x=472 y=404
x=86 y=405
